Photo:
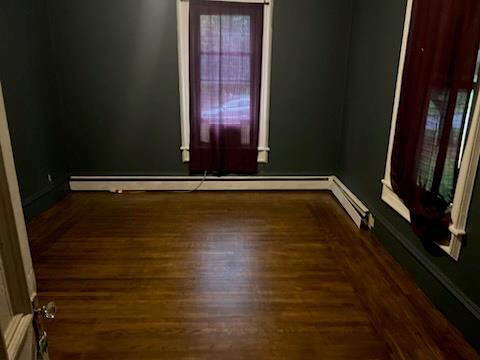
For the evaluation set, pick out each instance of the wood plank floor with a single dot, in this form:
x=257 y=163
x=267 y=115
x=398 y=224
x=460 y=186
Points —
x=227 y=275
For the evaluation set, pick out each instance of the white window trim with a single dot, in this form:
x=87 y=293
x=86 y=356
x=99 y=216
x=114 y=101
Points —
x=183 y=11
x=468 y=168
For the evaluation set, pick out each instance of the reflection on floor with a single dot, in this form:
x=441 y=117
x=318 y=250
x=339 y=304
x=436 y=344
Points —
x=227 y=275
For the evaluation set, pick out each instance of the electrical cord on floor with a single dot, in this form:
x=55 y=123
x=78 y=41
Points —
x=196 y=188
x=121 y=191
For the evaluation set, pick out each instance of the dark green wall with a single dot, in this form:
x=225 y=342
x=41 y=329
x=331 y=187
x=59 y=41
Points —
x=375 y=45
x=309 y=58
x=119 y=84
x=30 y=95
x=94 y=84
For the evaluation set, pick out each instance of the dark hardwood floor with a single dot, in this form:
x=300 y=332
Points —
x=227 y=275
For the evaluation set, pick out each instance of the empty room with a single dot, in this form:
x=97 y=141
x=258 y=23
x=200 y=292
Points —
x=239 y=179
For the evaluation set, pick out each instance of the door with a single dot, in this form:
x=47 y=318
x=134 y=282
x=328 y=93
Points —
x=17 y=278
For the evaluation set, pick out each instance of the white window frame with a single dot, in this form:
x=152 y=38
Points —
x=468 y=167
x=183 y=11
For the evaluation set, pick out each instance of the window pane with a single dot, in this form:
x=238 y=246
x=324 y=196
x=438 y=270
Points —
x=225 y=68
x=210 y=33
x=449 y=176
x=431 y=139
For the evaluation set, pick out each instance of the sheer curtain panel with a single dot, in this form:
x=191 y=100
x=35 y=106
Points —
x=225 y=77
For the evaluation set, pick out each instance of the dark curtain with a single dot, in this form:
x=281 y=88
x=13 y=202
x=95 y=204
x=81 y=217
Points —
x=437 y=88
x=225 y=77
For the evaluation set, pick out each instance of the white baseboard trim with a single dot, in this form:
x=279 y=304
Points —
x=187 y=183
x=353 y=206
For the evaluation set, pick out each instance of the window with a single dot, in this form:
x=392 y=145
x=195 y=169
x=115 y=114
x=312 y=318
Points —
x=224 y=65
x=434 y=147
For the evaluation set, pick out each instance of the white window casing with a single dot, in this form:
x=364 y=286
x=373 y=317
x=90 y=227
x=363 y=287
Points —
x=388 y=195
x=468 y=167
x=183 y=11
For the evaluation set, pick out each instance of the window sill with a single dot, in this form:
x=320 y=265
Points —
x=389 y=197
x=392 y=199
